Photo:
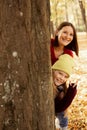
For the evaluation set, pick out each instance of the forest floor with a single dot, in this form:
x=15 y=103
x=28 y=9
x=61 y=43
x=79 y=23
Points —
x=77 y=112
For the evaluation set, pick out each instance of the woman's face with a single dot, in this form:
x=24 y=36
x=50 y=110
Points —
x=59 y=77
x=65 y=35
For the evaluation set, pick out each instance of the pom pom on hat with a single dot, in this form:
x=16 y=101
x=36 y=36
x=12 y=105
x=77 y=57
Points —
x=65 y=63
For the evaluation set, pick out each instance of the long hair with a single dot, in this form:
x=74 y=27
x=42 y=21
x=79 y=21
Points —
x=73 y=45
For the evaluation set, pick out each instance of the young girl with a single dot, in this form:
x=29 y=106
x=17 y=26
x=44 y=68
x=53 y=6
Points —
x=65 y=41
x=63 y=95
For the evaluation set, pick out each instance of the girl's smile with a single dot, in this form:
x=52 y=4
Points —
x=59 y=77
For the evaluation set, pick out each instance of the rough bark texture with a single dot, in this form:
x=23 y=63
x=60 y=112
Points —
x=26 y=95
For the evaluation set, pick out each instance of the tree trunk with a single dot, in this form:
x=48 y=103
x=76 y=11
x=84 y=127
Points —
x=83 y=14
x=26 y=95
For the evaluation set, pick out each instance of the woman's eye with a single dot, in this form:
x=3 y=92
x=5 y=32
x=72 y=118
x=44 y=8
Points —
x=71 y=34
x=65 y=32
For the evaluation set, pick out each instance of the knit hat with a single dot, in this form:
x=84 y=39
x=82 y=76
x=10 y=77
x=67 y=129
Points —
x=64 y=63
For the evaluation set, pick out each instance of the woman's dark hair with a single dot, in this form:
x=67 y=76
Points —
x=74 y=44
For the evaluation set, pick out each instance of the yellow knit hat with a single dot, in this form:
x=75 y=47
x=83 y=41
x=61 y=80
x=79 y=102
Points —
x=64 y=63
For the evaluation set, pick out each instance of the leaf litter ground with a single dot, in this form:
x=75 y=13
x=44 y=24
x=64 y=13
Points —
x=77 y=111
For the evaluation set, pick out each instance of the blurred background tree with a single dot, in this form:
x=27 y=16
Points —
x=74 y=11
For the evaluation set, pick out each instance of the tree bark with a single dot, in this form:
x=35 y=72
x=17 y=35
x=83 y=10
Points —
x=83 y=14
x=26 y=95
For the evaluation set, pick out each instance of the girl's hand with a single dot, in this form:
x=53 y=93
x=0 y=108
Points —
x=73 y=84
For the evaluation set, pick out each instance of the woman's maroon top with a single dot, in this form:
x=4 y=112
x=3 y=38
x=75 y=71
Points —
x=53 y=58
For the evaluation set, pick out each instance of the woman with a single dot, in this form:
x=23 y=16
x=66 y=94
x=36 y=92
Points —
x=65 y=41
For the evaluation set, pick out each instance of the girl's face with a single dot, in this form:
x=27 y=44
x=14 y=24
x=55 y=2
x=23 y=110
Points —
x=59 y=77
x=65 y=35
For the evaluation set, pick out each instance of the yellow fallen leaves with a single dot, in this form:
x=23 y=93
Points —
x=77 y=112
